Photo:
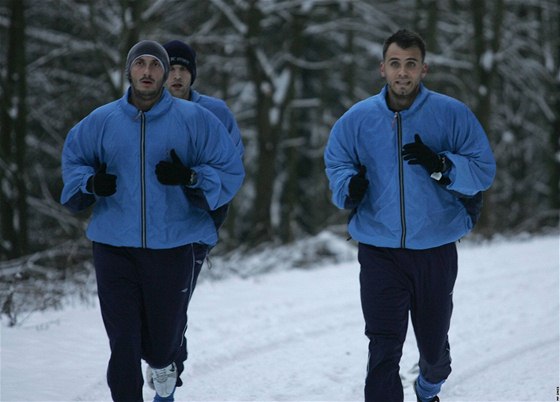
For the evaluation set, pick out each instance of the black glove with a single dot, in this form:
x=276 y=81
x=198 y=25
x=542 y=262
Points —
x=416 y=153
x=174 y=173
x=358 y=185
x=102 y=183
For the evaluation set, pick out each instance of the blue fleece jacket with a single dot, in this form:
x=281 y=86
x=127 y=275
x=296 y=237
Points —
x=220 y=109
x=143 y=212
x=403 y=206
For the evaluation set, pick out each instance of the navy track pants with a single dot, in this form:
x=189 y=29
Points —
x=144 y=295
x=394 y=283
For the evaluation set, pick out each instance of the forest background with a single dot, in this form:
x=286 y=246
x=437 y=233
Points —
x=288 y=69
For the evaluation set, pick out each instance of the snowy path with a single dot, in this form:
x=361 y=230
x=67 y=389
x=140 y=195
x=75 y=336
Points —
x=298 y=336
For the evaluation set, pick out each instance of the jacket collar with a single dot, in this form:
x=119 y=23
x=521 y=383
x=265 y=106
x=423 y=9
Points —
x=417 y=104
x=161 y=107
x=195 y=96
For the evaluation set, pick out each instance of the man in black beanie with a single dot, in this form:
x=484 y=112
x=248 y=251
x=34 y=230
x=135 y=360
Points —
x=133 y=159
x=182 y=54
x=182 y=74
x=182 y=60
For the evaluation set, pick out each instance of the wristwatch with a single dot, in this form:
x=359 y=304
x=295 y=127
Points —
x=444 y=167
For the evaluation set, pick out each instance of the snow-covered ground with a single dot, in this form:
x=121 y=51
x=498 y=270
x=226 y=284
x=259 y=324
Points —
x=297 y=335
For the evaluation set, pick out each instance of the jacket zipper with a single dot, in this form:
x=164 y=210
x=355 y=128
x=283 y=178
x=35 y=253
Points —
x=143 y=176
x=401 y=179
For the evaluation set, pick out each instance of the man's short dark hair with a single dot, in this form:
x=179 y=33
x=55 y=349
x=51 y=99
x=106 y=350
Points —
x=405 y=39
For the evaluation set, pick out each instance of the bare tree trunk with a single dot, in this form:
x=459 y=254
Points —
x=267 y=134
x=554 y=164
x=485 y=72
x=132 y=26
x=349 y=65
x=427 y=25
x=13 y=192
x=554 y=161
x=290 y=201
x=231 y=228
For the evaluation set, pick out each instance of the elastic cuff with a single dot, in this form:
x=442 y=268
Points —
x=426 y=390
x=83 y=186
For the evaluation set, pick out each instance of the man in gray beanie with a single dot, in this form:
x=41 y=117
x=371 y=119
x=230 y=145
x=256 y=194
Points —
x=148 y=48
x=145 y=90
x=133 y=160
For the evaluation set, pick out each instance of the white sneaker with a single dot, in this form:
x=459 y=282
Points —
x=149 y=378
x=163 y=380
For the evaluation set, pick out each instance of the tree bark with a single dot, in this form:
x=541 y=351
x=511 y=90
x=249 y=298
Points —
x=485 y=72
x=554 y=161
x=13 y=191
x=267 y=135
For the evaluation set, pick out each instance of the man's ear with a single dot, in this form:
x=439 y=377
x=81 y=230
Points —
x=424 y=70
x=382 y=69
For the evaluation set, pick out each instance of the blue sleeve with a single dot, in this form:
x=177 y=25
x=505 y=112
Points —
x=233 y=129
x=473 y=166
x=341 y=161
x=78 y=165
x=221 y=110
x=218 y=165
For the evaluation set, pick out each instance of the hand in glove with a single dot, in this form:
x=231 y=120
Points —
x=174 y=173
x=102 y=183
x=358 y=185
x=417 y=153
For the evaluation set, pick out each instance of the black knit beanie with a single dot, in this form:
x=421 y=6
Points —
x=148 y=48
x=181 y=53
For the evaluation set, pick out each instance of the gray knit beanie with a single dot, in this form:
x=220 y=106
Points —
x=148 y=48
